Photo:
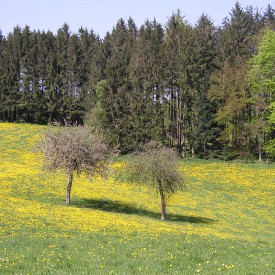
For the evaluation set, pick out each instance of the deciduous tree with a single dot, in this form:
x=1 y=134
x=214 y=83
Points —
x=157 y=168
x=74 y=149
x=262 y=80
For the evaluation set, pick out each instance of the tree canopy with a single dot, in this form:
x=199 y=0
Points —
x=74 y=149
x=262 y=79
x=157 y=168
x=186 y=86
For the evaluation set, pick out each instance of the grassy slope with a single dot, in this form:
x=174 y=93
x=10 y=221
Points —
x=223 y=222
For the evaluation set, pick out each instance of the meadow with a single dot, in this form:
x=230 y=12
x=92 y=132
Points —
x=223 y=222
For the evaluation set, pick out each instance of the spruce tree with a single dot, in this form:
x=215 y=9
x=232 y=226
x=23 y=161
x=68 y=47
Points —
x=116 y=99
x=229 y=89
x=203 y=127
x=12 y=71
x=147 y=81
x=174 y=75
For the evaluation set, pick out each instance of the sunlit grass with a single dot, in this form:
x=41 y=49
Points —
x=223 y=221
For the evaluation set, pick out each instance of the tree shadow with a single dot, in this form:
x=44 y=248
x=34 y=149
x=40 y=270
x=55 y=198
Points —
x=131 y=209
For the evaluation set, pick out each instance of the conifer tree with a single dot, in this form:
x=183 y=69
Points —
x=174 y=77
x=229 y=87
x=11 y=66
x=90 y=68
x=147 y=80
x=63 y=73
x=203 y=127
x=116 y=99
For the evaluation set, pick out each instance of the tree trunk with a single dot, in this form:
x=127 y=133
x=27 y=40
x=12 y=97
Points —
x=183 y=146
x=17 y=115
x=204 y=148
x=260 y=141
x=179 y=126
x=163 y=205
x=193 y=151
x=260 y=151
x=69 y=188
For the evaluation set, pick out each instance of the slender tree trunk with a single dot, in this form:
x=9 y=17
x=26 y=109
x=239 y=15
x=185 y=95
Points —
x=260 y=139
x=17 y=115
x=193 y=151
x=260 y=147
x=169 y=124
x=69 y=188
x=163 y=205
x=179 y=126
x=183 y=146
x=9 y=116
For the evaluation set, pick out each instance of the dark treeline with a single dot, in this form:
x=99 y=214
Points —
x=182 y=85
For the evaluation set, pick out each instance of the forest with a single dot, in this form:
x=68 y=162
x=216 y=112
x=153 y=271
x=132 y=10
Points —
x=206 y=90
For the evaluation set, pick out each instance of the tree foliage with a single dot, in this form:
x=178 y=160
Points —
x=74 y=149
x=183 y=85
x=157 y=168
x=262 y=82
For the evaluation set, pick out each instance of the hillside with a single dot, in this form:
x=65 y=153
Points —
x=223 y=221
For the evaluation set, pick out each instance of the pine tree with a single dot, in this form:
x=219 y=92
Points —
x=174 y=77
x=26 y=104
x=117 y=49
x=11 y=78
x=3 y=73
x=90 y=68
x=203 y=127
x=236 y=35
x=52 y=95
x=269 y=18
x=146 y=75
x=43 y=47
x=63 y=75
x=229 y=89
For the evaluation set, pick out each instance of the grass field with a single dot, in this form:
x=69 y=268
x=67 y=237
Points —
x=224 y=222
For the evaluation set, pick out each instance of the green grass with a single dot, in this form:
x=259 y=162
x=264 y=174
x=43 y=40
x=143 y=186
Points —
x=222 y=223
x=105 y=253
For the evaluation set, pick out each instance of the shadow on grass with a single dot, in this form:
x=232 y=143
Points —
x=131 y=209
